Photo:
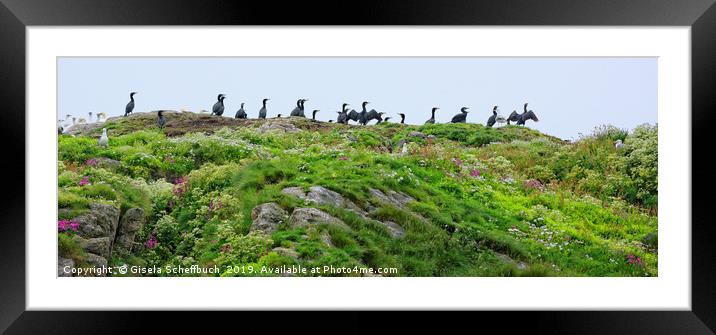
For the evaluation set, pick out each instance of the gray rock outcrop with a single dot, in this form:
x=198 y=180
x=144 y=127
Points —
x=323 y=196
x=396 y=199
x=507 y=259
x=100 y=221
x=96 y=232
x=64 y=267
x=327 y=240
x=307 y=216
x=417 y=134
x=296 y=192
x=286 y=252
x=267 y=217
x=102 y=232
x=100 y=246
x=131 y=222
x=97 y=262
x=395 y=230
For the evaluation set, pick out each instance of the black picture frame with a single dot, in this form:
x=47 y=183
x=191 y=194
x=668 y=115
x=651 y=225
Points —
x=700 y=15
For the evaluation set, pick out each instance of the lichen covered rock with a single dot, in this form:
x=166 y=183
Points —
x=267 y=217
x=100 y=221
x=307 y=216
x=131 y=222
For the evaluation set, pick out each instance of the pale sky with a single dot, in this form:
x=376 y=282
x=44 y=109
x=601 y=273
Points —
x=569 y=95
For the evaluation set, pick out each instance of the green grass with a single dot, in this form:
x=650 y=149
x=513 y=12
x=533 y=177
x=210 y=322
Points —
x=597 y=204
x=69 y=248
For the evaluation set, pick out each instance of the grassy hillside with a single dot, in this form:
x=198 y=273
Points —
x=487 y=202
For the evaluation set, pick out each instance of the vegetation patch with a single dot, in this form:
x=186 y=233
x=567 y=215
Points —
x=506 y=201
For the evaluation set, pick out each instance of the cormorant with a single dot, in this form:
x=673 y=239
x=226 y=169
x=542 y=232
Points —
x=342 y=117
x=218 y=108
x=461 y=117
x=330 y=121
x=353 y=116
x=493 y=118
x=373 y=115
x=516 y=117
x=529 y=115
x=278 y=116
x=160 y=120
x=297 y=111
x=130 y=104
x=103 y=140
x=314 y=113
x=241 y=113
x=303 y=107
x=386 y=119
x=402 y=118
x=362 y=119
x=381 y=118
x=343 y=114
x=262 y=111
x=432 y=117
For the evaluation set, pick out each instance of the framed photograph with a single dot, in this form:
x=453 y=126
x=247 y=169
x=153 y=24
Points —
x=429 y=157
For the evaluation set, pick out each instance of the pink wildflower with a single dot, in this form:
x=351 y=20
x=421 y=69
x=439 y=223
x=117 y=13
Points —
x=152 y=242
x=634 y=260
x=475 y=173
x=84 y=181
x=64 y=225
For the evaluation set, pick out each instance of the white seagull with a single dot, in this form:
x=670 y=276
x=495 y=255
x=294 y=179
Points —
x=103 y=140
